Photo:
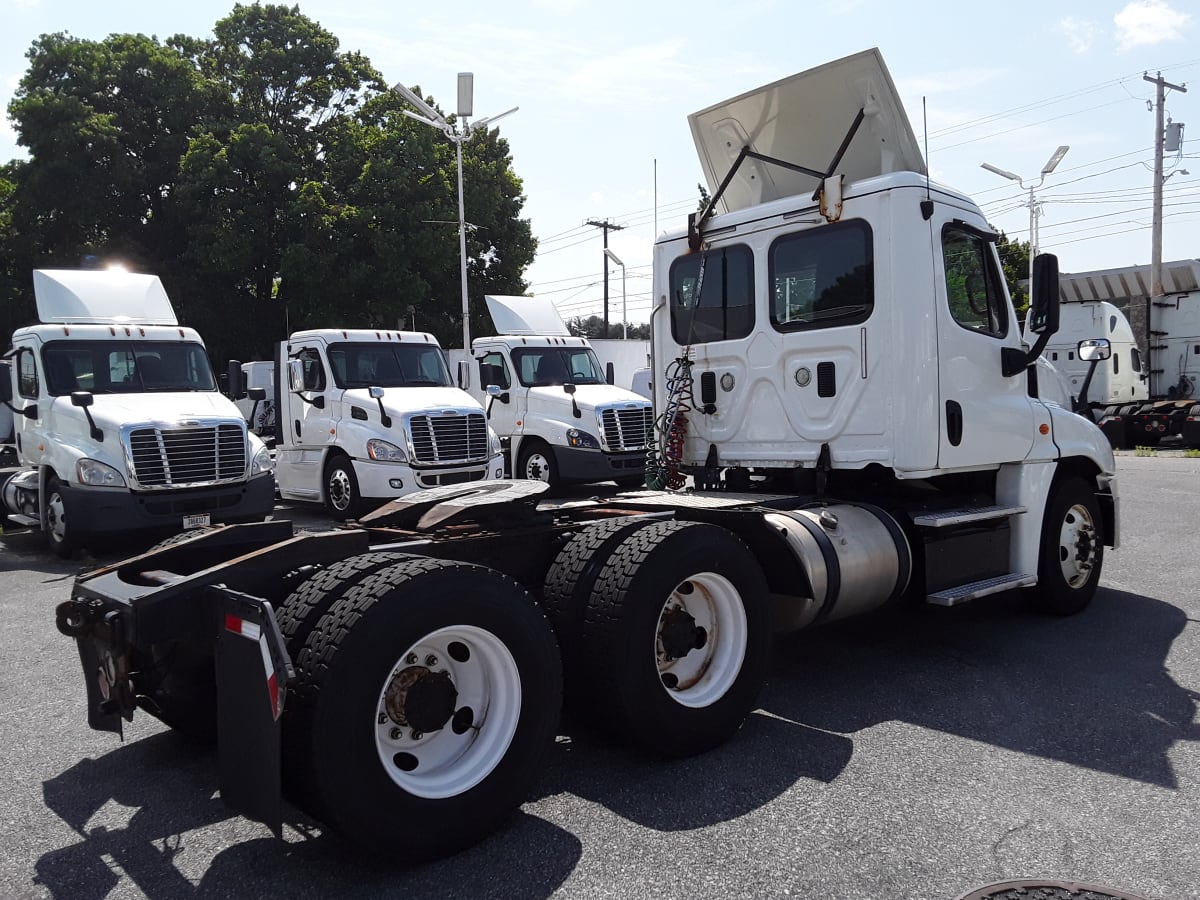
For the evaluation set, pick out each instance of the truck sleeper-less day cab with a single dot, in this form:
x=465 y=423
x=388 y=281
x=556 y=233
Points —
x=558 y=417
x=366 y=416
x=119 y=425
x=846 y=369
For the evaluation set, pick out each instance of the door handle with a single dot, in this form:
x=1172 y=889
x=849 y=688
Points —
x=954 y=423
x=296 y=425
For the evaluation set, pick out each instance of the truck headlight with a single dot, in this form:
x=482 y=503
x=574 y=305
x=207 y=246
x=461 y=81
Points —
x=581 y=439
x=383 y=451
x=262 y=462
x=98 y=474
x=495 y=448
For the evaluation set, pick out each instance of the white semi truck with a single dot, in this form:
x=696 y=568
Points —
x=118 y=424
x=365 y=416
x=559 y=416
x=837 y=365
x=1122 y=380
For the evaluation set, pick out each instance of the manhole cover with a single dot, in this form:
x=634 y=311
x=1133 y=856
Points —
x=1047 y=889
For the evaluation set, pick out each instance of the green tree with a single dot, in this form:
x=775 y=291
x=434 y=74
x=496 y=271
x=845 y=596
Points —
x=1014 y=260
x=267 y=176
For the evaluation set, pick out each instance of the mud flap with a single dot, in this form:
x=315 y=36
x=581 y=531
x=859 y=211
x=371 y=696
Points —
x=253 y=670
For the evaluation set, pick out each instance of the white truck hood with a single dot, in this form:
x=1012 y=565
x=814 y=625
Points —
x=589 y=397
x=403 y=400
x=119 y=409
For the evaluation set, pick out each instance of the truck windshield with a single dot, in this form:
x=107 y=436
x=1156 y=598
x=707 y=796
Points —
x=388 y=365
x=541 y=366
x=126 y=367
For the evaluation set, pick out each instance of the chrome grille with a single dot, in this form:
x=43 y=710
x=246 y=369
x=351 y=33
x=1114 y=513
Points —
x=187 y=456
x=627 y=429
x=448 y=438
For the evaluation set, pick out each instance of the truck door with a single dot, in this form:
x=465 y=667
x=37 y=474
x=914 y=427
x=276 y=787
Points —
x=303 y=429
x=986 y=418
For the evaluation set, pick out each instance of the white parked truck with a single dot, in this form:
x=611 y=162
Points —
x=841 y=372
x=1121 y=380
x=365 y=416
x=559 y=417
x=118 y=423
x=258 y=411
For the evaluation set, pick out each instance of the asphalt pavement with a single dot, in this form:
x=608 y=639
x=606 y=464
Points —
x=914 y=758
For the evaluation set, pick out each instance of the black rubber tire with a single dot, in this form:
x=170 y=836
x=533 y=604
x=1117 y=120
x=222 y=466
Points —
x=343 y=501
x=299 y=614
x=345 y=664
x=531 y=447
x=568 y=586
x=1072 y=503
x=63 y=543
x=185 y=697
x=622 y=620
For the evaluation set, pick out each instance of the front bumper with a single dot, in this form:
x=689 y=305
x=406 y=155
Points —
x=105 y=511
x=595 y=465
x=386 y=481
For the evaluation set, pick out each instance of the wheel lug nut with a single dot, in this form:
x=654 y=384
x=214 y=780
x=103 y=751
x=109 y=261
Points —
x=411 y=659
x=396 y=734
x=416 y=735
x=431 y=660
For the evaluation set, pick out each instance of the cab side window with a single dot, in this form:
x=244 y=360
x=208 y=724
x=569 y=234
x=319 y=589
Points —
x=974 y=287
x=314 y=372
x=27 y=376
x=494 y=370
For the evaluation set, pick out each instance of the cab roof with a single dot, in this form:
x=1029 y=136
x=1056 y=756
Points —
x=101 y=297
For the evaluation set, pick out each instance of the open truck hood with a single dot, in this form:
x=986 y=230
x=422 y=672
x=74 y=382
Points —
x=803 y=120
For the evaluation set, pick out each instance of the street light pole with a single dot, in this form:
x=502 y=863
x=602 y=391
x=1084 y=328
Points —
x=1035 y=208
x=624 y=308
x=434 y=119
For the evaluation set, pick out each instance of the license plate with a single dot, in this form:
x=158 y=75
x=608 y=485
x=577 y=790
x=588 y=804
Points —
x=200 y=520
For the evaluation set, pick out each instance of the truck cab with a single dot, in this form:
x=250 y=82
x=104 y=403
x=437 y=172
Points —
x=553 y=405
x=835 y=318
x=1122 y=380
x=365 y=416
x=118 y=422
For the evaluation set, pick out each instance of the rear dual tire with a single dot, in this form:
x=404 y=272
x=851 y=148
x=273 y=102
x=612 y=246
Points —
x=666 y=631
x=426 y=701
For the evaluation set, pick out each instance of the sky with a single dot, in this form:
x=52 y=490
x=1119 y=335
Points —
x=603 y=92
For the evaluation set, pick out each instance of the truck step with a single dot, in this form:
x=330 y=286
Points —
x=29 y=521
x=946 y=517
x=964 y=592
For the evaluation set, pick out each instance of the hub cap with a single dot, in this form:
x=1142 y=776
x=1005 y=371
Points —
x=700 y=643
x=339 y=489
x=1077 y=546
x=448 y=712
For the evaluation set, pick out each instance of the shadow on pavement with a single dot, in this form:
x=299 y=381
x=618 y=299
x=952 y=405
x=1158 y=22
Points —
x=144 y=806
x=1091 y=690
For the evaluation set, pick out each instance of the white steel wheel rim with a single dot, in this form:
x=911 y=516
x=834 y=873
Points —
x=487 y=681
x=537 y=467
x=56 y=517
x=705 y=674
x=339 y=489
x=1077 y=530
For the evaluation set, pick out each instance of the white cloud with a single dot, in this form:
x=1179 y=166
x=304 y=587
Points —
x=1080 y=33
x=1146 y=22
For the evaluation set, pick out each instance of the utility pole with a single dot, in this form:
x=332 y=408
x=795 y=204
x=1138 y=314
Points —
x=606 y=226
x=1140 y=314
